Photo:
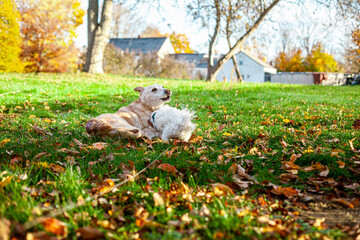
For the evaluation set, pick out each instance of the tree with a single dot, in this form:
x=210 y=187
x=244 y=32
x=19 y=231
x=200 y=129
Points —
x=125 y=21
x=211 y=13
x=179 y=41
x=48 y=29
x=291 y=61
x=98 y=35
x=10 y=39
x=320 y=61
x=317 y=60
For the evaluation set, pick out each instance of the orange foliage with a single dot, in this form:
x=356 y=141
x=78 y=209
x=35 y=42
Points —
x=48 y=29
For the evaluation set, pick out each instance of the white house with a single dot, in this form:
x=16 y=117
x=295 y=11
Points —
x=251 y=68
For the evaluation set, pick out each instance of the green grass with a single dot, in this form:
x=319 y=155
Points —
x=245 y=124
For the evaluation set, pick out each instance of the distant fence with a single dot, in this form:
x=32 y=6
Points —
x=309 y=78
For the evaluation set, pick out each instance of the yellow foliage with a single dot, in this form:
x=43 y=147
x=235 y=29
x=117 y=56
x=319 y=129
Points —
x=10 y=39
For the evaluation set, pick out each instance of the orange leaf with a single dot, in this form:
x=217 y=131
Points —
x=286 y=191
x=168 y=168
x=343 y=202
x=341 y=164
x=232 y=169
x=291 y=166
x=54 y=226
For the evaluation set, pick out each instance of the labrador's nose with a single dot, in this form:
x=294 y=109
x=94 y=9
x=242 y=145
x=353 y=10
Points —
x=167 y=91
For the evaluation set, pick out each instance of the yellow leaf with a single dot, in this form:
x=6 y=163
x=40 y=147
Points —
x=226 y=134
x=5 y=181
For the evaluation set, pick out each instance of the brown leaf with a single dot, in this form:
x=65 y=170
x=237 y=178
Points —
x=54 y=226
x=325 y=172
x=89 y=233
x=56 y=168
x=343 y=202
x=288 y=165
x=341 y=164
x=99 y=145
x=221 y=189
x=168 y=168
x=232 y=169
x=158 y=199
x=71 y=152
x=288 y=192
x=294 y=157
x=221 y=127
x=195 y=139
x=356 y=124
x=39 y=155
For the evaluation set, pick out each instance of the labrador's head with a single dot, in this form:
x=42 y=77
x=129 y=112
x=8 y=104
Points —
x=154 y=96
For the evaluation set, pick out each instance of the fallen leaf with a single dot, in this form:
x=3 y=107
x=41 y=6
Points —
x=54 y=226
x=71 y=152
x=158 y=199
x=325 y=172
x=99 y=145
x=39 y=155
x=168 y=168
x=343 y=202
x=221 y=189
x=288 y=165
x=356 y=124
x=341 y=164
x=221 y=127
x=56 y=168
x=5 y=231
x=5 y=181
x=288 y=192
x=89 y=233
x=232 y=169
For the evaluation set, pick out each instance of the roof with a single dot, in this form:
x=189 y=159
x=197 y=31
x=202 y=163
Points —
x=258 y=60
x=143 y=45
x=194 y=58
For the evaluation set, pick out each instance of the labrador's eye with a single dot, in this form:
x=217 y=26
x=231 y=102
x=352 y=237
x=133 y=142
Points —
x=154 y=90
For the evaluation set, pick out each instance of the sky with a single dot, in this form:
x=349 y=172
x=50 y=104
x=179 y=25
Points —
x=169 y=19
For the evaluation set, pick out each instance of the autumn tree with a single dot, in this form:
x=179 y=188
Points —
x=291 y=61
x=316 y=60
x=180 y=42
x=211 y=13
x=98 y=34
x=10 y=39
x=48 y=30
x=320 y=61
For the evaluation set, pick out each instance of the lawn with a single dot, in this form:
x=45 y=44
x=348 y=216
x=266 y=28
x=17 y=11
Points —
x=267 y=161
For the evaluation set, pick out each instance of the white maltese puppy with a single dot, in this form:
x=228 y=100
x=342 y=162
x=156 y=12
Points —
x=173 y=123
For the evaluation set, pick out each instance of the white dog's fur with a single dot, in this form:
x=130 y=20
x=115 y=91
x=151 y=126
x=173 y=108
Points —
x=173 y=123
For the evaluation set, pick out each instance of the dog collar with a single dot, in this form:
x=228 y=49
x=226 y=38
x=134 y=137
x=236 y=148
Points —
x=152 y=120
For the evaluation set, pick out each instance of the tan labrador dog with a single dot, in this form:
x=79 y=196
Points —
x=131 y=121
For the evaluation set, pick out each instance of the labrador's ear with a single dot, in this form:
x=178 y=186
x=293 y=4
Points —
x=139 y=89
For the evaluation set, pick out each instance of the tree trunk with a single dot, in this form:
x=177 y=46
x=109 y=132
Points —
x=98 y=35
x=214 y=37
x=236 y=66
x=213 y=71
